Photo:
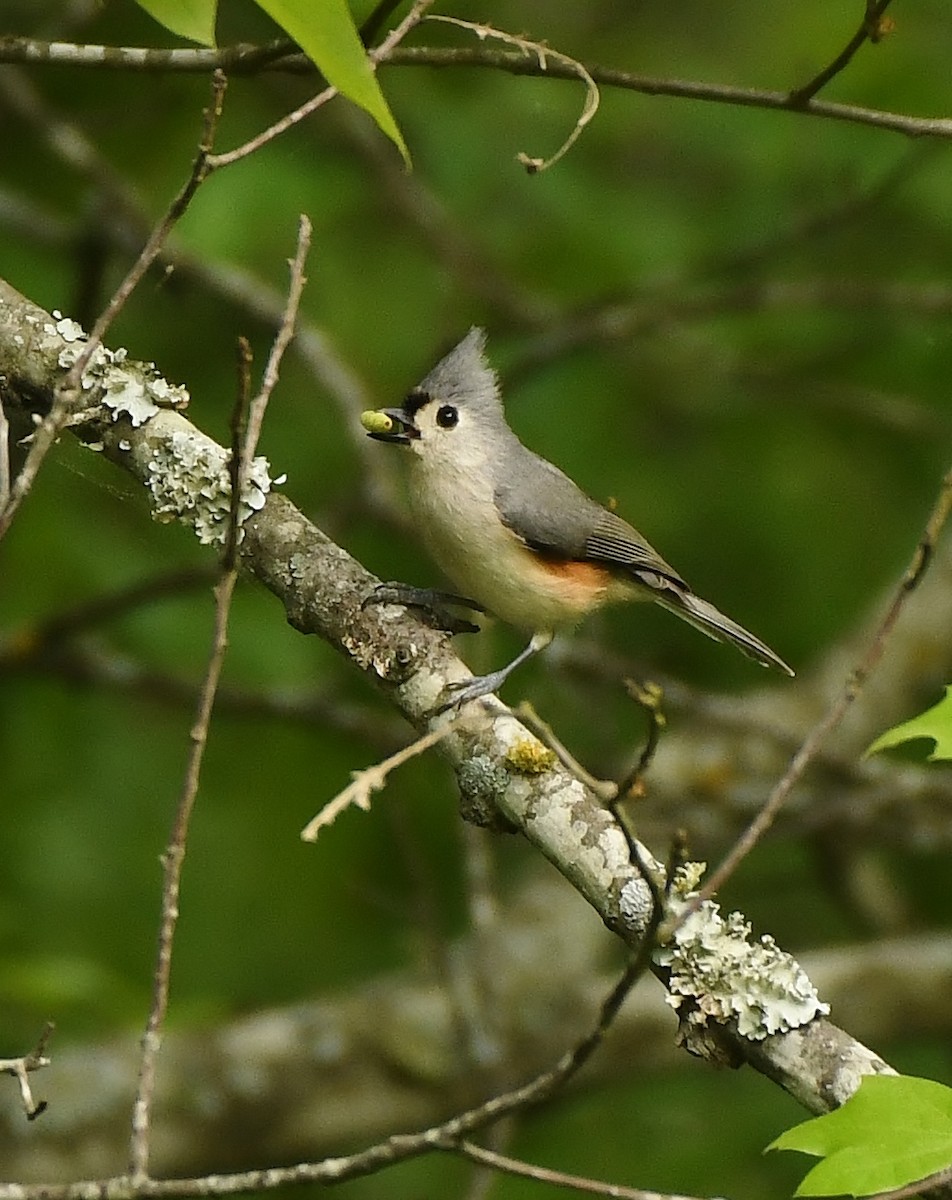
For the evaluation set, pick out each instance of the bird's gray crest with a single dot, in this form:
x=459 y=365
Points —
x=464 y=376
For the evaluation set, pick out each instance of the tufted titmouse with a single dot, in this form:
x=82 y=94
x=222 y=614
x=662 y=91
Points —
x=514 y=532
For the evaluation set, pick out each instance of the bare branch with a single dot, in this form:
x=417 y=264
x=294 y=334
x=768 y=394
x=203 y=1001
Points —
x=21 y=1068
x=871 y=29
x=395 y=1149
x=172 y=863
x=244 y=444
x=543 y=55
x=370 y=780
x=648 y=85
x=240 y=59
x=281 y=341
x=577 y=1183
x=68 y=390
x=911 y=578
x=323 y=590
x=4 y=459
x=376 y=56
x=243 y=59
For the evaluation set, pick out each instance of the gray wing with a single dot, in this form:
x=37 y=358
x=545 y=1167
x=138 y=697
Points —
x=540 y=504
x=544 y=507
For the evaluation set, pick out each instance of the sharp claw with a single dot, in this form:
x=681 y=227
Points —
x=431 y=605
x=454 y=625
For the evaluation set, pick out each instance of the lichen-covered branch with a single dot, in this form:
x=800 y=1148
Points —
x=353 y=1066
x=322 y=589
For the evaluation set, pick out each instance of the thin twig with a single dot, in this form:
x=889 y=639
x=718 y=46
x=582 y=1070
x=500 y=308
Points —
x=543 y=54
x=940 y=1180
x=289 y=120
x=246 y=59
x=604 y=789
x=870 y=30
x=370 y=780
x=398 y=1148
x=21 y=1067
x=4 y=458
x=396 y=35
x=244 y=444
x=252 y=295
x=373 y=22
x=69 y=388
x=282 y=339
x=911 y=578
x=685 y=89
x=237 y=460
x=172 y=862
x=578 y=1183
x=649 y=695
x=157 y=239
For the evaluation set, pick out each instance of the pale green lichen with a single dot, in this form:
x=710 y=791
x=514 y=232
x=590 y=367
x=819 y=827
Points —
x=189 y=480
x=482 y=779
x=187 y=474
x=718 y=974
x=134 y=392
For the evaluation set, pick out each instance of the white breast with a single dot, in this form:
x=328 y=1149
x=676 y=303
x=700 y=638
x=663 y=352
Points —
x=456 y=517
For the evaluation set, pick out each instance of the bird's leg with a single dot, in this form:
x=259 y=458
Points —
x=434 y=606
x=482 y=685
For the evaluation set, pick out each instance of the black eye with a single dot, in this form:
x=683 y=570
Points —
x=447 y=417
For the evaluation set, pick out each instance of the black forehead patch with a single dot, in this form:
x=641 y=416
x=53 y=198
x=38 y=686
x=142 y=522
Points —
x=415 y=400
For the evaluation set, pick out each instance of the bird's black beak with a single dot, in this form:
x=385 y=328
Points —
x=390 y=425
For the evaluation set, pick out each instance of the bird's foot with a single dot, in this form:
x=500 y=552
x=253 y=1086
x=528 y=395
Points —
x=433 y=606
x=464 y=690
x=481 y=685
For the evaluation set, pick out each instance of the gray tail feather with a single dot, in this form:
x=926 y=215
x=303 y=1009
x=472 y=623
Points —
x=706 y=617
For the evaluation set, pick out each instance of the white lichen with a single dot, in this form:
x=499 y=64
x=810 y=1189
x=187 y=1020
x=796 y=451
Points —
x=189 y=480
x=718 y=974
x=68 y=329
x=635 y=904
x=127 y=396
x=136 y=393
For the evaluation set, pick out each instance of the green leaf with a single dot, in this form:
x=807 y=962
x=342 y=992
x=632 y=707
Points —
x=893 y=1131
x=325 y=31
x=935 y=724
x=192 y=19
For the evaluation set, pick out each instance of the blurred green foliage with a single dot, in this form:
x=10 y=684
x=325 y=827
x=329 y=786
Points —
x=775 y=422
